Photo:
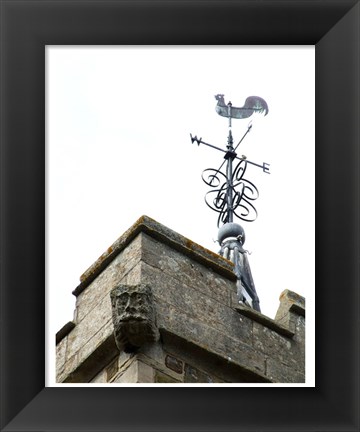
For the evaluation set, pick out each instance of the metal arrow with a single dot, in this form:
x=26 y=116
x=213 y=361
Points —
x=265 y=166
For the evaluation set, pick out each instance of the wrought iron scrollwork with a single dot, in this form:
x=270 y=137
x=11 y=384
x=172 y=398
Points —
x=243 y=193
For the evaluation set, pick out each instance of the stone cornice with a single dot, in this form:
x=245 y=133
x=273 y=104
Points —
x=163 y=234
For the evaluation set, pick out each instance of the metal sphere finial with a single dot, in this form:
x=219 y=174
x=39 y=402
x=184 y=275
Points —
x=231 y=230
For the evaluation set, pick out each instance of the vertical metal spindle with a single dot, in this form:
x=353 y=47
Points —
x=229 y=175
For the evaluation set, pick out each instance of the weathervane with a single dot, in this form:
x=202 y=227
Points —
x=232 y=195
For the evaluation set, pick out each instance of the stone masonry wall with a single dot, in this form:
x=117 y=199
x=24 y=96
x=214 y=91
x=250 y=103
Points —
x=205 y=335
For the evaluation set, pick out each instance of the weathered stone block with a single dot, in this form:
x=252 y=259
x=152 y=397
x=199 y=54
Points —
x=187 y=271
x=112 y=275
x=195 y=304
x=156 y=359
x=134 y=276
x=129 y=375
x=300 y=330
x=137 y=372
x=61 y=375
x=199 y=376
x=61 y=353
x=291 y=306
x=193 y=375
x=162 y=378
x=124 y=359
x=299 y=338
x=112 y=369
x=146 y=373
x=210 y=339
x=282 y=373
x=95 y=342
x=76 y=358
x=94 y=321
x=219 y=368
x=100 y=377
x=70 y=365
x=280 y=348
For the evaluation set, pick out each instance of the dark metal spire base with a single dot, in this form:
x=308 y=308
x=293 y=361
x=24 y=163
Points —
x=231 y=238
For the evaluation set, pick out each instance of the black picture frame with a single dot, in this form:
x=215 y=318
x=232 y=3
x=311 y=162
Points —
x=26 y=28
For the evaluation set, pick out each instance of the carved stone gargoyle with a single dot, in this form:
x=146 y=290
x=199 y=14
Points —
x=133 y=316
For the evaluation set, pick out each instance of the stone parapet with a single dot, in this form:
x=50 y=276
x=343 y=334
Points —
x=163 y=234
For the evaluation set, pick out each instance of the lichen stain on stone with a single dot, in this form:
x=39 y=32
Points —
x=197 y=248
x=190 y=244
x=292 y=297
x=211 y=256
x=138 y=223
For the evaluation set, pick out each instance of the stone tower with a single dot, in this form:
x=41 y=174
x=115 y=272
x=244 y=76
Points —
x=158 y=308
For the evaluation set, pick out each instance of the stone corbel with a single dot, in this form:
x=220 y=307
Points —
x=133 y=315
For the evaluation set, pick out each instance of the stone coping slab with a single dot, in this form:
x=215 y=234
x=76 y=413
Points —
x=164 y=234
x=264 y=320
x=64 y=331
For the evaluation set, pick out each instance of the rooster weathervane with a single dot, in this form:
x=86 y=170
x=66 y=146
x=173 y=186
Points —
x=232 y=195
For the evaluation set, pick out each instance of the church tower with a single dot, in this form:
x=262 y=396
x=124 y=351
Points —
x=158 y=308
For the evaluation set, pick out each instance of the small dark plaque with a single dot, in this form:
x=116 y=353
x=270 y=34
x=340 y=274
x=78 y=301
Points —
x=174 y=364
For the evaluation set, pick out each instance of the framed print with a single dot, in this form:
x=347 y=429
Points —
x=27 y=29
x=122 y=126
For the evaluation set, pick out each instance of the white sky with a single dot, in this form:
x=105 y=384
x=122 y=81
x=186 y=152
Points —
x=118 y=146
